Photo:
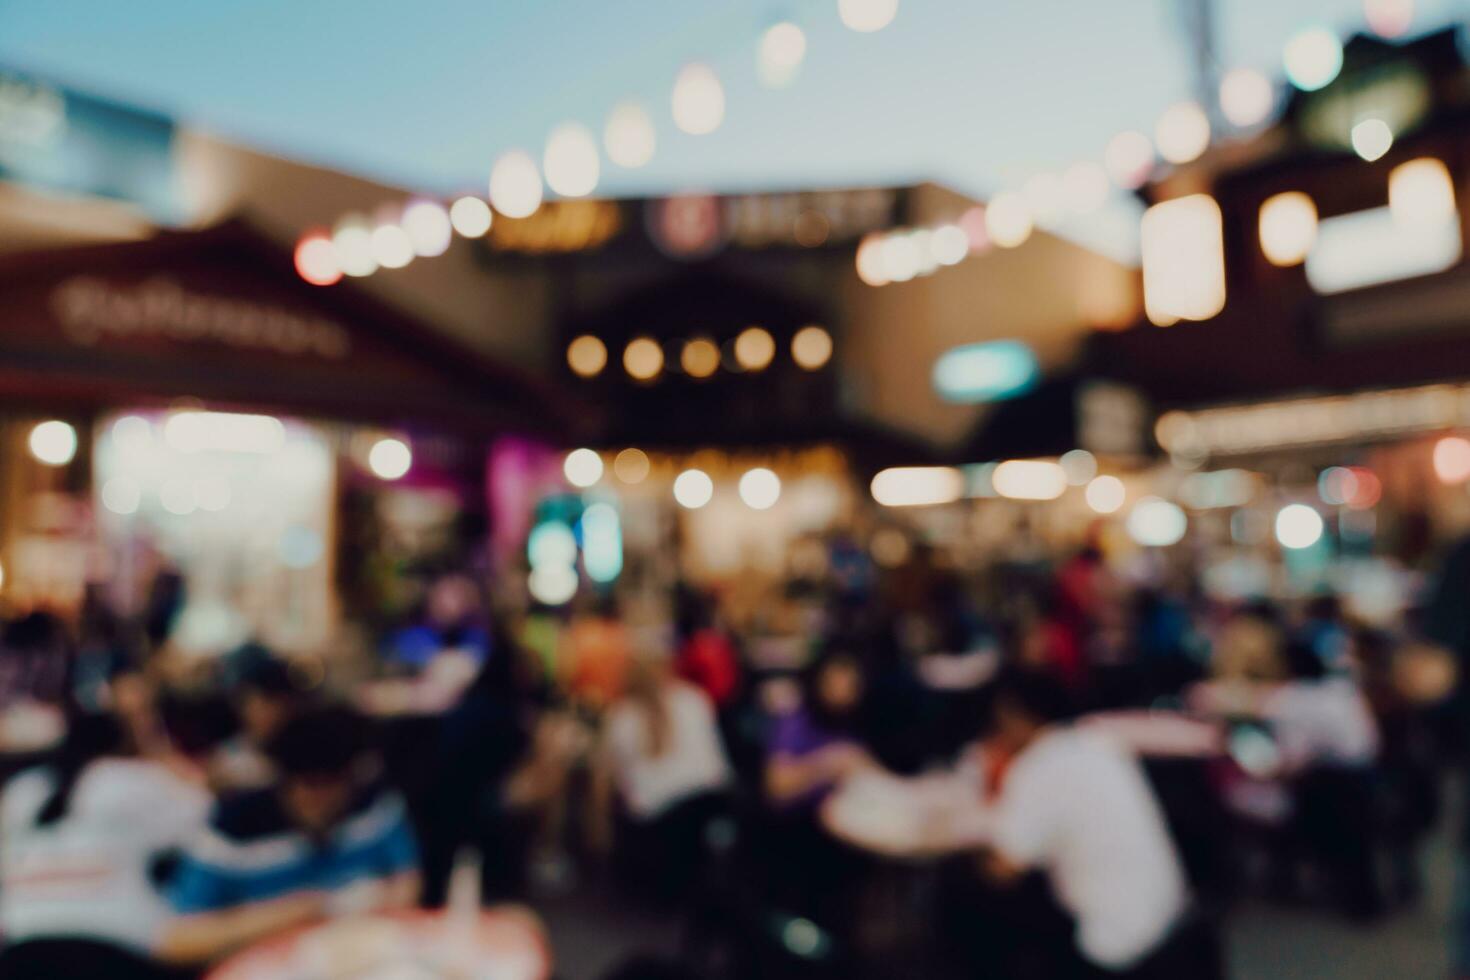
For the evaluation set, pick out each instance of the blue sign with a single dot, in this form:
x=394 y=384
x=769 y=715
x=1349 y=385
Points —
x=64 y=141
x=988 y=372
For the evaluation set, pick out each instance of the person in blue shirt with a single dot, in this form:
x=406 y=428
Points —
x=322 y=841
x=450 y=620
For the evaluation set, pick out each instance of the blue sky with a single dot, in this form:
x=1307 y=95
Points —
x=975 y=93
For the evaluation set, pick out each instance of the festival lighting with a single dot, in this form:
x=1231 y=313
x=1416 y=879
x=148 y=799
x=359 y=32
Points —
x=700 y=357
x=1298 y=526
x=1129 y=159
x=122 y=495
x=1421 y=192
x=1182 y=133
x=1452 y=460
x=602 y=542
x=631 y=466
x=553 y=585
x=582 y=468
x=1029 y=479
x=391 y=247
x=754 y=349
x=693 y=489
x=1313 y=58
x=780 y=53
x=643 y=359
x=1008 y=220
x=1371 y=139
x=949 y=244
x=867 y=16
x=629 y=138
x=871 y=265
x=917 y=486
x=699 y=100
x=1156 y=523
x=1079 y=465
x=1246 y=97
x=1366 y=248
x=1288 y=228
x=985 y=372
x=760 y=488
x=471 y=216
x=428 y=227
x=587 y=356
x=515 y=185
x=1183 y=260
x=1389 y=18
x=390 y=458
x=316 y=260
x=1105 y=494
x=570 y=163
x=53 y=443
x=901 y=258
x=352 y=244
x=811 y=348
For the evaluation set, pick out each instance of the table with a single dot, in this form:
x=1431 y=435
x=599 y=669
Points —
x=505 y=943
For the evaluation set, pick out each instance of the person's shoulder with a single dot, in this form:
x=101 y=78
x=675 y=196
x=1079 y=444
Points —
x=248 y=816
x=375 y=813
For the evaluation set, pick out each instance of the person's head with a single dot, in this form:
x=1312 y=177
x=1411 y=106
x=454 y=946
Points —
x=834 y=688
x=451 y=600
x=317 y=754
x=265 y=698
x=1026 y=701
x=1249 y=649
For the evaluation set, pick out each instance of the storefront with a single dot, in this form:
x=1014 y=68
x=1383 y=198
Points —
x=189 y=404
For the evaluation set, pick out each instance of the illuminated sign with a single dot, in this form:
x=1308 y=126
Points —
x=1369 y=248
x=977 y=373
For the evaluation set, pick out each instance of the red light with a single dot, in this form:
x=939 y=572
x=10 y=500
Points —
x=316 y=261
x=1452 y=459
x=1366 y=489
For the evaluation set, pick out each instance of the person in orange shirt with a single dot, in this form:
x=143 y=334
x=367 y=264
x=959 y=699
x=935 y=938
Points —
x=597 y=656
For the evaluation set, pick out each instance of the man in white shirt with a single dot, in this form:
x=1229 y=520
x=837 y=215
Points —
x=1078 y=808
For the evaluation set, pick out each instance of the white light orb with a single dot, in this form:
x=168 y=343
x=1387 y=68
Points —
x=316 y=260
x=583 y=467
x=872 y=264
x=132 y=434
x=1312 y=58
x=1129 y=159
x=1288 y=228
x=352 y=243
x=1246 y=97
x=1156 y=523
x=1079 y=465
x=699 y=100
x=471 y=216
x=1452 y=459
x=212 y=493
x=901 y=258
x=1298 y=526
x=760 y=488
x=391 y=246
x=553 y=585
x=571 y=163
x=1008 y=220
x=515 y=185
x=1389 y=18
x=1371 y=139
x=780 y=54
x=693 y=489
x=53 y=443
x=1421 y=192
x=949 y=245
x=1105 y=494
x=551 y=543
x=811 y=348
x=1183 y=132
x=428 y=227
x=629 y=137
x=1085 y=187
x=867 y=16
x=122 y=495
x=390 y=458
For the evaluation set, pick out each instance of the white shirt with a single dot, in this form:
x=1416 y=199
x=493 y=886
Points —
x=693 y=760
x=1078 y=807
x=87 y=874
x=1327 y=721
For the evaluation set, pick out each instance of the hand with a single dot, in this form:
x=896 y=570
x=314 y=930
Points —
x=847 y=759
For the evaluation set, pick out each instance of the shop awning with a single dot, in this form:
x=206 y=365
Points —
x=221 y=315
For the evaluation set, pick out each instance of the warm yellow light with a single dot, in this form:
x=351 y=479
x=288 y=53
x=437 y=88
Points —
x=643 y=359
x=1421 y=192
x=391 y=246
x=754 y=349
x=871 y=267
x=587 y=356
x=1183 y=260
x=917 y=486
x=693 y=489
x=1008 y=220
x=699 y=100
x=1029 y=479
x=515 y=185
x=470 y=216
x=700 y=358
x=53 y=443
x=631 y=466
x=629 y=138
x=1182 y=133
x=582 y=468
x=1288 y=228
x=1105 y=494
x=811 y=348
x=1246 y=97
x=571 y=163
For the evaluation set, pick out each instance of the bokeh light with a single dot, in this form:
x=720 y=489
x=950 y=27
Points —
x=1336 y=485
x=1085 y=187
x=1008 y=220
x=471 y=216
x=1079 y=465
x=1288 y=227
x=316 y=260
x=949 y=244
x=779 y=56
x=754 y=349
x=917 y=486
x=1183 y=132
x=390 y=458
x=1371 y=139
x=587 y=356
x=428 y=228
x=122 y=495
x=871 y=267
x=699 y=100
x=811 y=348
x=553 y=585
x=53 y=442
x=760 y=488
x=1298 y=526
x=693 y=489
x=631 y=466
x=515 y=185
x=391 y=247
x=867 y=16
x=1156 y=523
x=1105 y=494
x=571 y=164
x=1043 y=196
x=352 y=243
x=1247 y=97
x=643 y=359
x=582 y=468
x=629 y=138
x=1452 y=459
x=1312 y=58
x=1129 y=159
x=1421 y=192
x=1389 y=18
x=901 y=258
x=700 y=357
x=1029 y=479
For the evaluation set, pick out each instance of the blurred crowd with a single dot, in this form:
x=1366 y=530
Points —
x=1047 y=770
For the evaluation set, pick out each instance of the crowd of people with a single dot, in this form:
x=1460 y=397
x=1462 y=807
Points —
x=1046 y=771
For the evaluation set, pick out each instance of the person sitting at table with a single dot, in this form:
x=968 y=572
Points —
x=82 y=839
x=264 y=698
x=451 y=621
x=1079 y=809
x=323 y=840
x=661 y=753
x=813 y=747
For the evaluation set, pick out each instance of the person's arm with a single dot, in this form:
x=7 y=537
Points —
x=790 y=777
x=207 y=936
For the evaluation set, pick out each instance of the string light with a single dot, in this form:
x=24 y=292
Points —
x=391 y=247
x=699 y=100
x=428 y=228
x=587 y=356
x=780 y=54
x=630 y=138
x=316 y=260
x=1312 y=58
x=582 y=468
x=352 y=243
x=754 y=349
x=470 y=216
x=1008 y=220
x=515 y=185
x=1288 y=228
x=1246 y=97
x=700 y=358
x=1421 y=192
x=643 y=359
x=867 y=16
x=1129 y=159
x=570 y=162
x=693 y=489
x=1371 y=139
x=811 y=348
x=1182 y=133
